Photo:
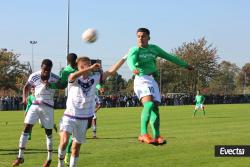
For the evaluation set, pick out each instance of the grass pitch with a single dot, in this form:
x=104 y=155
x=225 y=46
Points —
x=190 y=141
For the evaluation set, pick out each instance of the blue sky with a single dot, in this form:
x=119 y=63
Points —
x=224 y=23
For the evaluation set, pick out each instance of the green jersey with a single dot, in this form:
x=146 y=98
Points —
x=30 y=99
x=199 y=99
x=144 y=59
x=64 y=75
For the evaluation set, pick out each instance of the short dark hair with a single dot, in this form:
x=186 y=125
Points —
x=87 y=59
x=145 y=30
x=71 y=58
x=47 y=62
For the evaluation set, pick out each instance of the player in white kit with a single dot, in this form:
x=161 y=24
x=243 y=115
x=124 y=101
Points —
x=80 y=106
x=41 y=108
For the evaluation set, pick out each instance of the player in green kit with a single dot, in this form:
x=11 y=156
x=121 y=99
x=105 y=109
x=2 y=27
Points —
x=142 y=62
x=30 y=99
x=199 y=103
x=64 y=74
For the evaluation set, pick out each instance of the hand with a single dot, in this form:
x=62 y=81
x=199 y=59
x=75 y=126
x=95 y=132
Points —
x=95 y=67
x=190 y=67
x=136 y=72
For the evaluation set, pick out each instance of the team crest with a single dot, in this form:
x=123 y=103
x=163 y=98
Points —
x=86 y=86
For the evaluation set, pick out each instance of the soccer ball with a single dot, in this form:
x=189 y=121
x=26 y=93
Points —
x=89 y=35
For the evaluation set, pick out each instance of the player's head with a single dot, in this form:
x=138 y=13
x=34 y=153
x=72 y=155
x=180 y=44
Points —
x=83 y=63
x=46 y=67
x=143 y=36
x=71 y=59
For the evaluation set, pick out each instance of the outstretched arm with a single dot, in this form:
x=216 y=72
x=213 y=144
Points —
x=173 y=58
x=79 y=73
x=112 y=70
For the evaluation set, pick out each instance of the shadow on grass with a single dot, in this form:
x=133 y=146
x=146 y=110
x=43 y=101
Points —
x=111 y=138
x=155 y=144
x=219 y=117
x=119 y=138
x=27 y=151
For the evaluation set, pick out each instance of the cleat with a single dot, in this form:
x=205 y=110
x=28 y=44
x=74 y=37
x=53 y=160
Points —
x=17 y=162
x=94 y=137
x=67 y=159
x=159 y=140
x=145 y=138
x=47 y=163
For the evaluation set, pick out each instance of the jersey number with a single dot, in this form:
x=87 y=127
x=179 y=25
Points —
x=151 y=89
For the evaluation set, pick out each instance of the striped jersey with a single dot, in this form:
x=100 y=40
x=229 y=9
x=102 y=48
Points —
x=43 y=94
x=81 y=97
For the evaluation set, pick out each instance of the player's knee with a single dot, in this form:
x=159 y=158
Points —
x=76 y=149
x=48 y=132
x=63 y=143
x=27 y=128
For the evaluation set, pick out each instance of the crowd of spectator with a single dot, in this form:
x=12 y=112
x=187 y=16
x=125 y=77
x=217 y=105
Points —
x=10 y=103
x=15 y=103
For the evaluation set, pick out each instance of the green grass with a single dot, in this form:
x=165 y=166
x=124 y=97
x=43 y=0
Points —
x=190 y=141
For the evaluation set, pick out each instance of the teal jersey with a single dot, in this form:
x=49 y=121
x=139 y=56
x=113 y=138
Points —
x=144 y=59
x=30 y=99
x=199 y=99
x=64 y=75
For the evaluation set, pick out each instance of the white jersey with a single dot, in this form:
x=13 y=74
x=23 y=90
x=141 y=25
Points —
x=43 y=94
x=81 y=97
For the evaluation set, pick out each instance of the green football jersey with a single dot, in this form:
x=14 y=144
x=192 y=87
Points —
x=64 y=75
x=144 y=59
x=199 y=99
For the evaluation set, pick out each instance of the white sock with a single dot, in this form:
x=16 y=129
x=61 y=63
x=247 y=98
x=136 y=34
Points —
x=49 y=142
x=61 y=155
x=22 y=144
x=73 y=161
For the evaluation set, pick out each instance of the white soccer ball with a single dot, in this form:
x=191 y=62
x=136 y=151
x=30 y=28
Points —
x=89 y=35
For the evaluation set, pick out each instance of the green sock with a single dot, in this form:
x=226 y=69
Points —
x=29 y=138
x=194 y=112
x=155 y=122
x=68 y=148
x=204 y=112
x=145 y=115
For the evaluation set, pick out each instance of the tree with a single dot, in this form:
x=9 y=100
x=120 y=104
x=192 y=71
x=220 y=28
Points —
x=13 y=74
x=202 y=56
x=225 y=81
x=243 y=79
x=114 y=84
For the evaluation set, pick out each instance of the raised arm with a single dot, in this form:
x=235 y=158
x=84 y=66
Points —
x=112 y=70
x=75 y=75
x=172 y=58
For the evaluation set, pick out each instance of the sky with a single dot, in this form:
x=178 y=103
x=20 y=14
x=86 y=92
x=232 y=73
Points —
x=224 y=23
